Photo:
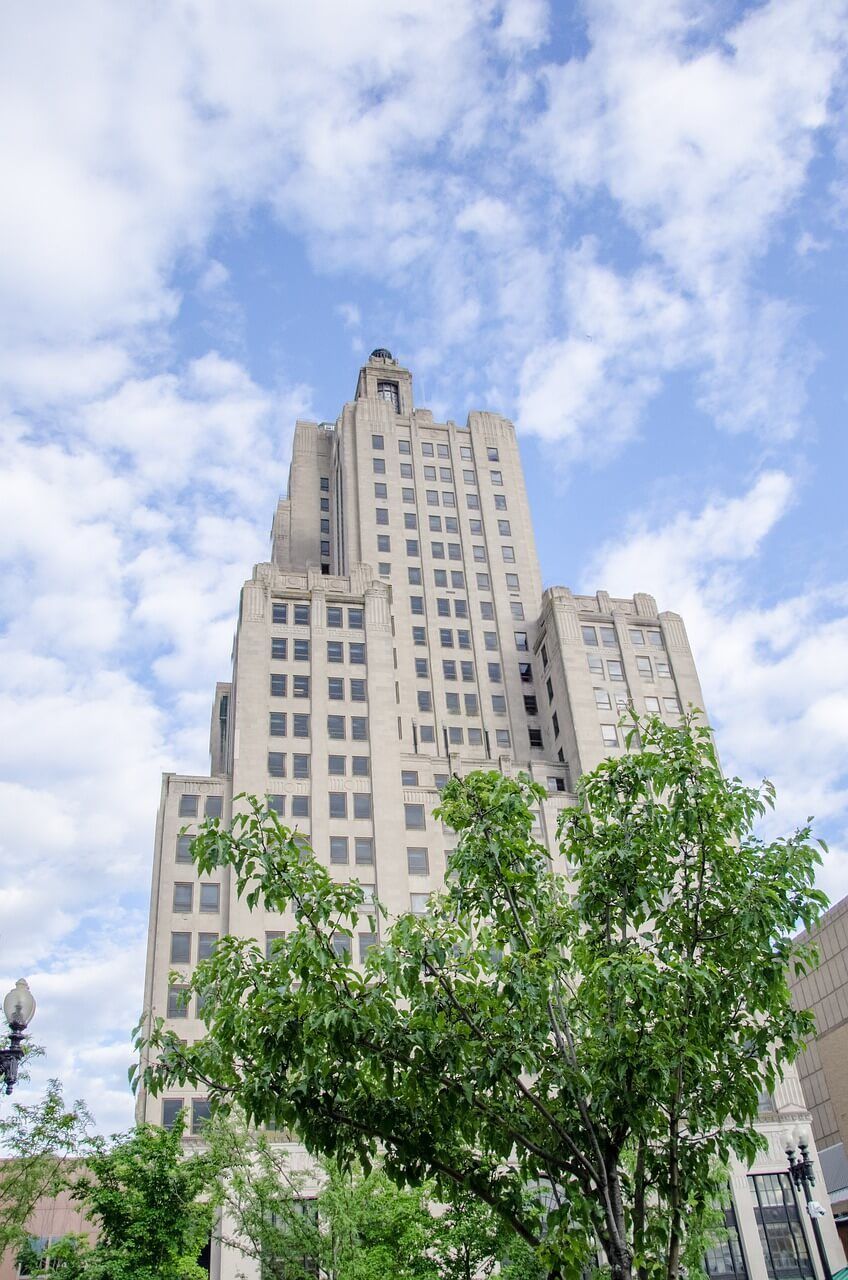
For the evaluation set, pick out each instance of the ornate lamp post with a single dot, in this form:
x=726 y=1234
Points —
x=18 y=1007
x=803 y=1177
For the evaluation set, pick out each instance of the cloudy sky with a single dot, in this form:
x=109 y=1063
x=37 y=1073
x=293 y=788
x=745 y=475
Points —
x=623 y=225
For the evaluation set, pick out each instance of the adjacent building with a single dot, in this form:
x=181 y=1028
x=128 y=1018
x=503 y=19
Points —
x=824 y=1067
x=399 y=633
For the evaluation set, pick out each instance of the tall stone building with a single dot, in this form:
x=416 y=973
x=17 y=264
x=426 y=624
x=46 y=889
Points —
x=400 y=633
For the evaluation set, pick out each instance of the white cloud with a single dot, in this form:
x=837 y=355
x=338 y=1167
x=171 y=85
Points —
x=774 y=672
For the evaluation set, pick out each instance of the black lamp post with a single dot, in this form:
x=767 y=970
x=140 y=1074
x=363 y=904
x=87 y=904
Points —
x=19 y=1006
x=803 y=1176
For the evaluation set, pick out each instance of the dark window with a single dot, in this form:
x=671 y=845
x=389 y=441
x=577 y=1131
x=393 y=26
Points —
x=525 y=670
x=535 y=738
x=276 y=803
x=530 y=704
x=335 y=727
x=301 y=615
x=389 y=392
x=779 y=1225
x=300 y=769
x=355 y=619
x=201 y=1112
x=188 y=806
x=357 y=690
x=414 y=817
x=359 y=728
x=279 y=647
x=183 y=896
x=278 y=686
x=300 y=806
x=279 y=612
x=335 y=651
x=335 y=688
x=325 y=484
x=356 y=653
x=300 y=725
x=361 y=804
x=171 y=1108
x=300 y=686
x=726 y=1261
x=180 y=948
x=338 y=804
x=276 y=764
x=339 y=850
x=335 y=616
x=336 y=766
x=301 y=650
x=359 y=766
x=277 y=724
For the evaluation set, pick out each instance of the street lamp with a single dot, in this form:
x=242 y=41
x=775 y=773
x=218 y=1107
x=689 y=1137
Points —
x=803 y=1176
x=19 y=1006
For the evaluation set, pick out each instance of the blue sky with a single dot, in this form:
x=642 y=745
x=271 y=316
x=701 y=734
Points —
x=621 y=225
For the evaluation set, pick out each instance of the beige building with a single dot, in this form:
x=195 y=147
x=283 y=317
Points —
x=400 y=633
x=824 y=1067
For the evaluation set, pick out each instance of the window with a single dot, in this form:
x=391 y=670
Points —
x=502 y=737
x=455 y=736
x=380 y=491
x=454 y=551
x=272 y=936
x=178 y=1002
x=279 y=612
x=430 y=474
x=471 y=705
x=301 y=650
x=496 y=477
x=425 y=702
x=437 y=550
x=426 y=733
x=418 y=635
x=276 y=803
x=300 y=769
x=377 y=442
x=525 y=671
x=479 y=554
x=414 y=817
x=389 y=392
x=556 y=784
x=421 y=669
x=427 y=449
x=417 y=861
x=520 y=640
x=609 y=735
x=413 y=575
x=361 y=804
x=171 y=1108
x=440 y=577
x=535 y=738
x=335 y=727
x=508 y=554
x=549 y=689
x=495 y=673
x=671 y=705
x=457 y=579
x=418 y=903
x=643 y=666
x=434 y=523
x=512 y=582
x=340 y=943
x=492 y=455
x=180 y=948
x=336 y=766
x=446 y=638
x=363 y=849
x=359 y=728
x=602 y=699
x=335 y=688
x=339 y=850
x=443 y=607
x=652 y=706
x=465 y=453
x=517 y=611
x=338 y=804
x=487 y=611
x=590 y=635
x=278 y=686
x=406 y=470
x=366 y=942
x=637 y=637
x=214 y=806
x=655 y=638
x=206 y=945
x=475 y=737
x=188 y=806
x=277 y=724
x=472 y=502
x=463 y=639
x=615 y=670
x=531 y=706
x=467 y=670
x=499 y=704
x=210 y=897
x=384 y=542
x=663 y=670
x=325 y=484
x=490 y=640
x=276 y=764
x=378 y=466
x=382 y=515
x=416 y=605
x=432 y=497
x=412 y=547
x=410 y=520
x=608 y=637
x=325 y=504
x=300 y=806
x=555 y=724
x=452 y=703
x=500 y=502
x=445 y=475
x=779 y=1226
x=409 y=778
x=484 y=582
x=335 y=615
x=357 y=690
x=184 y=848
x=384 y=570
x=356 y=653
x=301 y=615
x=596 y=665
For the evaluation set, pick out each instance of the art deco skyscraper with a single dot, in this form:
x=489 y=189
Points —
x=398 y=634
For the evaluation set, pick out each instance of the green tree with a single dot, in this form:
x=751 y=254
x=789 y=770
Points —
x=41 y=1143
x=600 y=1037
x=153 y=1208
